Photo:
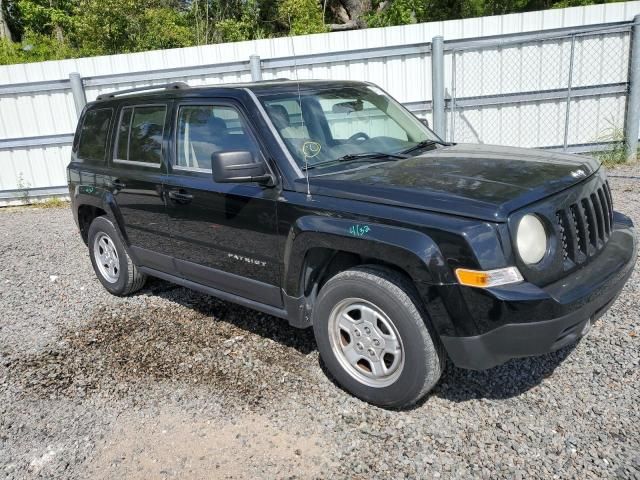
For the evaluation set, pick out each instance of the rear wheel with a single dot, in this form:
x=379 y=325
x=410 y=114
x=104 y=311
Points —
x=110 y=260
x=373 y=338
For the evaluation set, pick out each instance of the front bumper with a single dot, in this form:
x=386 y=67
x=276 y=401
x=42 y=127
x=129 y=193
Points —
x=533 y=321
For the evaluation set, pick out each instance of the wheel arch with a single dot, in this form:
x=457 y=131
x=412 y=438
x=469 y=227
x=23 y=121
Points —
x=318 y=248
x=91 y=202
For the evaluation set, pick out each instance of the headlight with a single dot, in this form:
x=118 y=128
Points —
x=531 y=239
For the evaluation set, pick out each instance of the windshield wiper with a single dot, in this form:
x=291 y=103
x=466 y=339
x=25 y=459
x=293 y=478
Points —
x=358 y=156
x=424 y=144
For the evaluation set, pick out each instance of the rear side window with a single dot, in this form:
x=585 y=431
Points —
x=93 y=135
x=140 y=135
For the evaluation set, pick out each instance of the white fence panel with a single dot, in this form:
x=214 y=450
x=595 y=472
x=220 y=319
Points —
x=29 y=109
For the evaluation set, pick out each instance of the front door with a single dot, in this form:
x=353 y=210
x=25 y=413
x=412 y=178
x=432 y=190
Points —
x=137 y=174
x=224 y=235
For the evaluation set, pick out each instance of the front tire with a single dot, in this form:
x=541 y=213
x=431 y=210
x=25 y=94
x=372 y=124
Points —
x=373 y=338
x=110 y=260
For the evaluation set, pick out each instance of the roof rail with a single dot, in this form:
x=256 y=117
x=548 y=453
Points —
x=166 y=86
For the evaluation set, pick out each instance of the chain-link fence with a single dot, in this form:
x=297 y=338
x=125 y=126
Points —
x=565 y=92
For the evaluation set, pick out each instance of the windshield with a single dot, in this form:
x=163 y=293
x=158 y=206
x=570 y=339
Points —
x=324 y=125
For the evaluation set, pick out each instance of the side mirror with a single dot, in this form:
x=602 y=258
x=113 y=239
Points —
x=425 y=122
x=239 y=167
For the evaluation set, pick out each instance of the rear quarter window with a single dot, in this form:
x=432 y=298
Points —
x=140 y=133
x=93 y=135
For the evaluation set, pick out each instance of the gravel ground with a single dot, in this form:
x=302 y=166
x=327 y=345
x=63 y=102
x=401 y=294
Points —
x=170 y=383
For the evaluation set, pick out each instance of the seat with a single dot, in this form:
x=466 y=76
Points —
x=282 y=121
x=207 y=136
x=279 y=116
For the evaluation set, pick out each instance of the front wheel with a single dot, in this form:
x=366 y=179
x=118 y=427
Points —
x=373 y=338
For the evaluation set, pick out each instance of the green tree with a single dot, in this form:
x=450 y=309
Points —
x=47 y=17
x=36 y=30
x=301 y=16
x=121 y=26
x=5 y=30
x=245 y=26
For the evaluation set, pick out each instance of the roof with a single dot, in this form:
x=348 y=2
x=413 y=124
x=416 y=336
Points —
x=180 y=89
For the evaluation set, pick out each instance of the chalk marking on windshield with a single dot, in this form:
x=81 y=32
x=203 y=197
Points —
x=311 y=149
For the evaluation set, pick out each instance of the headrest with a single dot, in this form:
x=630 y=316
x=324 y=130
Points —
x=207 y=121
x=216 y=125
x=199 y=117
x=279 y=115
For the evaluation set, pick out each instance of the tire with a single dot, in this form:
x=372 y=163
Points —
x=110 y=260
x=368 y=309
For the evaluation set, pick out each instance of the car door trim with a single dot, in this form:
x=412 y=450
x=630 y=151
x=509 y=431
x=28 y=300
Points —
x=244 y=287
x=268 y=309
x=247 y=288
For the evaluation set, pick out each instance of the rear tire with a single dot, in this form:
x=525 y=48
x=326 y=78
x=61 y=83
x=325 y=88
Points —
x=110 y=260
x=373 y=337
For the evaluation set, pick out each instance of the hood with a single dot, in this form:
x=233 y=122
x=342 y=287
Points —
x=479 y=181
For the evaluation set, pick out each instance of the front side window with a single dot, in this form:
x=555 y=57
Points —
x=93 y=135
x=140 y=134
x=327 y=124
x=207 y=129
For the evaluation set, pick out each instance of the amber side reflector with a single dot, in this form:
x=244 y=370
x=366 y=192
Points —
x=488 y=278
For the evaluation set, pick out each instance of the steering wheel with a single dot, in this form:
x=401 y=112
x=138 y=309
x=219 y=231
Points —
x=359 y=137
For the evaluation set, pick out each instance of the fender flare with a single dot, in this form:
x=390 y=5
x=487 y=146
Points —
x=103 y=199
x=414 y=252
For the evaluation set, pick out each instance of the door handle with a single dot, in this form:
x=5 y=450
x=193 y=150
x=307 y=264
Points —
x=118 y=185
x=180 y=196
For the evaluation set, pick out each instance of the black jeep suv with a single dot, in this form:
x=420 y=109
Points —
x=328 y=204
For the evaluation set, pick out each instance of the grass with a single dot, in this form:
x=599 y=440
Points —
x=616 y=154
x=53 y=202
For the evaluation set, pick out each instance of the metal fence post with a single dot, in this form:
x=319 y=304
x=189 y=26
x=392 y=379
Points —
x=633 y=101
x=256 y=70
x=437 y=85
x=567 y=111
x=77 y=89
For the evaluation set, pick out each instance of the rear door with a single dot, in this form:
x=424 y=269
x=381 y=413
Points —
x=225 y=235
x=137 y=174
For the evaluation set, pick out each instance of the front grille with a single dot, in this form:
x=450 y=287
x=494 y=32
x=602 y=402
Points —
x=584 y=227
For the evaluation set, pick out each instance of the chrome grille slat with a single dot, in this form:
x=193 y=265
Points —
x=563 y=226
x=581 y=232
x=599 y=216
x=605 y=212
x=607 y=192
x=585 y=226
x=592 y=228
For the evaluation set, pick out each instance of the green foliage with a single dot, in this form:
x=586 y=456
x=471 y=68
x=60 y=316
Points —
x=35 y=48
x=301 y=16
x=46 y=17
x=399 y=12
x=616 y=154
x=246 y=27
x=23 y=186
x=57 y=29
x=121 y=26
x=52 y=202
x=231 y=30
x=163 y=28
